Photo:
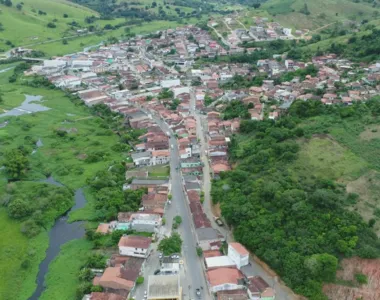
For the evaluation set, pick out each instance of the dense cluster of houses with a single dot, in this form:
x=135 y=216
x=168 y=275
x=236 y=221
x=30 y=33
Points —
x=150 y=79
x=230 y=277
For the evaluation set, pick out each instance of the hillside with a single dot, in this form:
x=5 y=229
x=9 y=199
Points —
x=303 y=194
x=311 y=14
x=28 y=23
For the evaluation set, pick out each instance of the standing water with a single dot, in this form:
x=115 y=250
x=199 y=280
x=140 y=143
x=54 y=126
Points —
x=61 y=233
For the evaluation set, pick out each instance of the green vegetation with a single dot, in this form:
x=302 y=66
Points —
x=361 y=278
x=177 y=220
x=78 y=143
x=35 y=15
x=19 y=258
x=36 y=204
x=311 y=14
x=170 y=245
x=239 y=81
x=287 y=199
x=64 y=272
x=199 y=251
x=235 y=109
x=140 y=280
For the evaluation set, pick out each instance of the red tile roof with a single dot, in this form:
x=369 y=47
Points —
x=239 y=248
x=135 y=242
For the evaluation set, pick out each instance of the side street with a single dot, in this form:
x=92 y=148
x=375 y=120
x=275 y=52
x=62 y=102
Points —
x=188 y=95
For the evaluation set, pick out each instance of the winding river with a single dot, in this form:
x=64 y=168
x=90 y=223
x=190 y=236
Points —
x=61 y=233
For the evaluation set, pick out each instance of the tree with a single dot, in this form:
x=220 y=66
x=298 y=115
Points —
x=16 y=164
x=51 y=25
x=199 y=251
x=170 y=245
x=8 y=3
x=322 y=267
x=177 y=219
x=140 y=280
x=19 y=6
x=65 y=16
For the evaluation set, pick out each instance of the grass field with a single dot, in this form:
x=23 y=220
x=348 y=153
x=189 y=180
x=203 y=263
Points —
x=325 y=158
x=61 y=157
x=27 y=26
x=287 y=12
x=18 y=276
x=62 y=277
x=64 y=158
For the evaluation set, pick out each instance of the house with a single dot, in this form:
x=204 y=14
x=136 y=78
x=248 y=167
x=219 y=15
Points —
x=218 y=262
x=121 y=279
x=207 y=235
x=137 y=246
x=191 y=163
x=164 y=287
x=169 y=265
x=232 y=295
x=238 y=254
x=192 y=186
x=259 y=289
x=148 y=183
x=103 y=296
x=103 y=228
x=289 y=63
x=154 y=200
x=143 y=222
x=224 y=279
x=160 y=157
x=142 y=158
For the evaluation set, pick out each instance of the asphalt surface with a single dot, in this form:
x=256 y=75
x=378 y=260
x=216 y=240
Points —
x=254 y=269
x=192 y=273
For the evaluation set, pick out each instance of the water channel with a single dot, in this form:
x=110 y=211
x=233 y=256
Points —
x=61 y=233
x=27 y=107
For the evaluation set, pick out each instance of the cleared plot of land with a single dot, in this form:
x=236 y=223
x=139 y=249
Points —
x=350 y=267
x=368 y=189
x=322 y=12
x=325 y=158
x=372 y=132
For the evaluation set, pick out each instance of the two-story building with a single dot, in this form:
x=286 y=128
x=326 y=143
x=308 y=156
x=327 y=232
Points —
x=136 y=246
x=238 y=254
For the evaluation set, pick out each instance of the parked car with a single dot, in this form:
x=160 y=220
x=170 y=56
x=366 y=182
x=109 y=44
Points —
x=219 y=222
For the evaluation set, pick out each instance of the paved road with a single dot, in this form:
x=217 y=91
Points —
x=282 y=292
x=193 y=272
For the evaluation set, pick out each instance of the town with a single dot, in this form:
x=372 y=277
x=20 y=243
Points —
x=170 y=84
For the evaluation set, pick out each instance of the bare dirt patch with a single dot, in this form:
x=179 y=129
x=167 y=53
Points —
x=371 y=132
x=368 y=189
x=82 y=156
x=350 y=267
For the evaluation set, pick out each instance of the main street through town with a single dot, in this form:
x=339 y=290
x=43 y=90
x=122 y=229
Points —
x=282 y=292
x=192 y=273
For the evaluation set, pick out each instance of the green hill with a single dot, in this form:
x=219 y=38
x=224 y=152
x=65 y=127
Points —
x=28 y=24
x=310 y=14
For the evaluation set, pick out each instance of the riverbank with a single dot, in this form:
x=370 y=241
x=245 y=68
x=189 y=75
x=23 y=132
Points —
x=68 y=133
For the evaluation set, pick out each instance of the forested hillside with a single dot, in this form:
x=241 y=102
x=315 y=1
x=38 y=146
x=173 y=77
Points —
x=286 y=198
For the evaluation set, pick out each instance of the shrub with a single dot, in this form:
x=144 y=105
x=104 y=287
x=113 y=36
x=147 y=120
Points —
x=140 y=280
x=361 y=278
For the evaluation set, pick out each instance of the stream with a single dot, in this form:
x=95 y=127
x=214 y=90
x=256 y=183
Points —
x=61 y=233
